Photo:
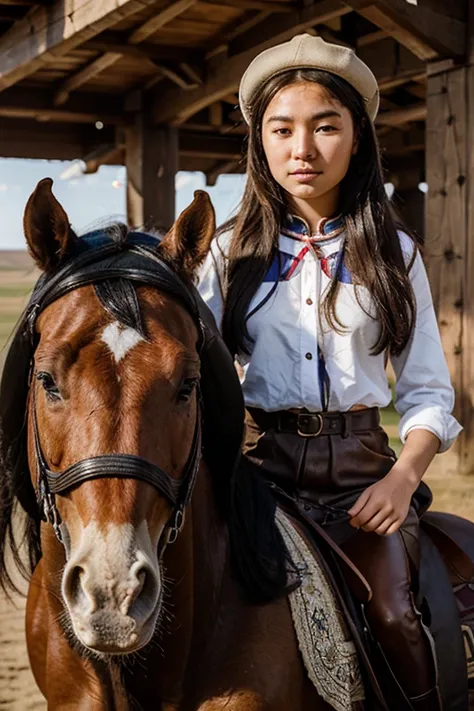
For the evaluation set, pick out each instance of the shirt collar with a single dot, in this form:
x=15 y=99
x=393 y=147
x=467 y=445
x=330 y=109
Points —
x=296 y=227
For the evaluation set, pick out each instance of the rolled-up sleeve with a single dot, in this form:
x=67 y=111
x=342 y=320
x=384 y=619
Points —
x=210 y=278
x=424 y=394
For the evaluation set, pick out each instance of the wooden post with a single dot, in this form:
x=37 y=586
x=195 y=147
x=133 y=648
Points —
x=151 y=159
x=449 y=237
x=467 y=445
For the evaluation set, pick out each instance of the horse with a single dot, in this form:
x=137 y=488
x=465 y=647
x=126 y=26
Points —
x=140 y=554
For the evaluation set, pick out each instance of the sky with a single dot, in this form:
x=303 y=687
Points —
x=92 y=199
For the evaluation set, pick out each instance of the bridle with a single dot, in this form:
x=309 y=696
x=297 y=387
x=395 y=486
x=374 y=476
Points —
x=141 y=263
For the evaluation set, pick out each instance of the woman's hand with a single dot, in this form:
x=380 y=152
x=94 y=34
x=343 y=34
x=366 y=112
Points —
x=383 y=507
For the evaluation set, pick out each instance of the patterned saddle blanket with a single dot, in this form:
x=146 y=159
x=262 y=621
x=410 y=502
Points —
x=328 y=651
x=325 y=642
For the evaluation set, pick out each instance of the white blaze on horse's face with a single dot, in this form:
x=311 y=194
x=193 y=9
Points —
x=112 y=587
x=120 y=339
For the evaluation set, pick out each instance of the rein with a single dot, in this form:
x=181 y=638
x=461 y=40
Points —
x=141 y=264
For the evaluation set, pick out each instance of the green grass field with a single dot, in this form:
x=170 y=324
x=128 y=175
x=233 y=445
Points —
x=14 y=291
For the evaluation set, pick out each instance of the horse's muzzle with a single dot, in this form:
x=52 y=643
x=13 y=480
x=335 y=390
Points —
x=112 y=588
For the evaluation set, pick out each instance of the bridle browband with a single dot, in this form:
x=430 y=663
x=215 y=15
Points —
x=140 y=263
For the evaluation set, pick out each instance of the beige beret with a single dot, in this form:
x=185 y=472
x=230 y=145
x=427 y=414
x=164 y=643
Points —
x=306 y=51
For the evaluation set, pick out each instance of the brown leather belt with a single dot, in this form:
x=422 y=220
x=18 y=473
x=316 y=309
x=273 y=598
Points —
x=315 y=424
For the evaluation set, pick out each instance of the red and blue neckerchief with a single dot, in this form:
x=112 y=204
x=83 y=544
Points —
x=285 y=266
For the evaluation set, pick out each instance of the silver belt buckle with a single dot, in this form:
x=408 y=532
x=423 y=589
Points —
x=310 y=416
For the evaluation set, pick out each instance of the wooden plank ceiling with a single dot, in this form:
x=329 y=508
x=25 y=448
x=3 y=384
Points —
x=74 y=73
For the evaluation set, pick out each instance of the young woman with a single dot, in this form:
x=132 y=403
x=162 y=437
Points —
x=314 y=288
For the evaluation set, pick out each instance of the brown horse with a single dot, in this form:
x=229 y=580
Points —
x=119 y=614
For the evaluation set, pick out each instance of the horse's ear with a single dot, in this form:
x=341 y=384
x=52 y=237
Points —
x=188 y=241
x=46 y=227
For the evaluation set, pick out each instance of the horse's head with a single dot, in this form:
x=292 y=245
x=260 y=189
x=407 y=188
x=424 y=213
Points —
x=116 y=372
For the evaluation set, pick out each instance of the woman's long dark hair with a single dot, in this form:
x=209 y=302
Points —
x=372 y=248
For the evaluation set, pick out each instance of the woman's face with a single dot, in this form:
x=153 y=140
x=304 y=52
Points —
x=308 y=138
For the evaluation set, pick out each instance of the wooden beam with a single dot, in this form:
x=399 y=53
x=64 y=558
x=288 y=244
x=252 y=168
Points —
x=175 y=107
x=271 y=7
x=81 y=107
x=216 y=114
x=227 y=129
x=458 y=10
x=117 y=42
x=193 y=73
x=426 y=33
x=107 y=154
x=418 y=90
x=47 y=33
x=159 y=20
x=237 y=27
x=84 y=75
x=61 y=116
x=400 y=116
x=30 y=139
x=152 y=164
x=176 y=78
x=402 y=78
x=23 y=3
x=215 y=146
x=371 y=38
x=283 y=27
x=391 y=63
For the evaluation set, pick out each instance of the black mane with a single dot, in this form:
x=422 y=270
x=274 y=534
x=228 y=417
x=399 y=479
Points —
x=258 y=552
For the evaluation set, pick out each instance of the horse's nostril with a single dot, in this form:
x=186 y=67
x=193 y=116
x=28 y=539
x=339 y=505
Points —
x=73 y=586
x=145 y=593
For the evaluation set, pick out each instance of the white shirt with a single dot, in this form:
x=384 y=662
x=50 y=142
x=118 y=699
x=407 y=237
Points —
x=284 y=370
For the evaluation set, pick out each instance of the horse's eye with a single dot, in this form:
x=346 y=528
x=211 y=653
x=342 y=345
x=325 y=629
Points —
x=186 y=389
x=52 y=390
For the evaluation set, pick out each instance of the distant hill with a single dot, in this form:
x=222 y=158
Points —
x=15 y=259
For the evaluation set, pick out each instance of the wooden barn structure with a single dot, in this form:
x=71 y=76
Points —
x=152 y=84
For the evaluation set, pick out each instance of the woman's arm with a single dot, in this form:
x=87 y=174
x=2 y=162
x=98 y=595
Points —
x=383 y=507
x=424 y=399
x=424 y=394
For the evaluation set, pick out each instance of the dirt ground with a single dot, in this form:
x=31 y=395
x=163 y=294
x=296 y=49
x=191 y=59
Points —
x=18 y=691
